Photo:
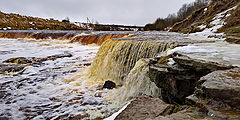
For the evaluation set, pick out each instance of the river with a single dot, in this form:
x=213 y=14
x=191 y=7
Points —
x=47 y=90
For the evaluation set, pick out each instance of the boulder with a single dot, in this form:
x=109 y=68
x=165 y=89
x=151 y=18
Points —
x=178 y=80
x=222 y=86
x=60 y=55
x=144 y=107
x=109 y=85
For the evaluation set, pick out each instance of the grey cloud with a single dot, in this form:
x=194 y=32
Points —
x=132 y=12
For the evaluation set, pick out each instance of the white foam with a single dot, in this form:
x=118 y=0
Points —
x=68 y=95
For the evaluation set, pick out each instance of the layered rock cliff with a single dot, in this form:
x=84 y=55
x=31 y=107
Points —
x=204 y=89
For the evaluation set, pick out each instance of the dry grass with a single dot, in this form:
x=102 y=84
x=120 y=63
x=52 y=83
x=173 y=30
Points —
x=18 y=22
x=232 y=40
x=205 y=17
x=232 y=28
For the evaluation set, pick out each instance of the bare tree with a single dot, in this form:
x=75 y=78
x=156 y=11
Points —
x=182 y=13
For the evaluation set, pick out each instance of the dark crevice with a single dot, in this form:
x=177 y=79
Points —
x=179 y=80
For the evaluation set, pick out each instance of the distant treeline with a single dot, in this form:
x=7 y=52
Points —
x=103 y=27
x=183 y=13
x=113 y=27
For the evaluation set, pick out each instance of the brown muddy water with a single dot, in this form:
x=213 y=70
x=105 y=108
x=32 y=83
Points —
x=47 y=90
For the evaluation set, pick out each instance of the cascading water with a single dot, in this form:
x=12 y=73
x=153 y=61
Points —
x=97 y=39
x=83 y=37
x=138 y=83
x=79 y=95
x=116 y=58
x=46 y=90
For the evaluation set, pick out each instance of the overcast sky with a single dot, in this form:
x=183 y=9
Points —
x=130 y=12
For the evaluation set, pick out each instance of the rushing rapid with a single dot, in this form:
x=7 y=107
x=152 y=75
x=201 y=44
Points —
x=45 y=90
x=61 y=75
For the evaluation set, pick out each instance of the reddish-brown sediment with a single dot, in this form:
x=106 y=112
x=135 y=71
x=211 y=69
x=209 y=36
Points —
x=97 y=39
x=93 y=38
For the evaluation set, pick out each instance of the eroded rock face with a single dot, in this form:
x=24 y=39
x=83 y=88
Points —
x=144 y=107
x=214 y=90
x=221 y=86
x=211 y=109
x=178 y=80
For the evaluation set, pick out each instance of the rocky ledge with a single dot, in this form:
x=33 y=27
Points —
x=145 y=107
x=13 y=66
x=221 y=86
x=177 y=75
x=200 y=89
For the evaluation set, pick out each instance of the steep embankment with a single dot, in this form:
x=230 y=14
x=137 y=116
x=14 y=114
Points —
x=219 y=16
x=19 y=22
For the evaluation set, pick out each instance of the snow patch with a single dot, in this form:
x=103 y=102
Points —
x=202 y=26
x=219 y=52
x=205 y=9
x=217 y=23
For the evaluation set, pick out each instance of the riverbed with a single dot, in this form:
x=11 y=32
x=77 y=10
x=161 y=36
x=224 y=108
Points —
x=47 y=90
x=58 y=87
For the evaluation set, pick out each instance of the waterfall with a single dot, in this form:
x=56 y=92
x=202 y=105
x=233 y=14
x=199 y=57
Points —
x=82 y=37
x=116 y=58
x=138 y=83
x=97 y=39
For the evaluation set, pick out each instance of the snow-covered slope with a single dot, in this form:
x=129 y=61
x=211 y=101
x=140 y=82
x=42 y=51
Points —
x=220 y=16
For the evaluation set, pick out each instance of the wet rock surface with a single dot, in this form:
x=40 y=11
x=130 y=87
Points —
x=60 y=55
x=206 y=90
x=35 y=60
x=221 y=86
x=208 y=108
x=144 y=107
x=184 y=115
x=18 y=64
x=7 y=68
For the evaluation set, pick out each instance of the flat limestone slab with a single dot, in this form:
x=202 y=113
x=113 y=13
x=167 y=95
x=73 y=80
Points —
x=143 y=108
x=223 y=86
